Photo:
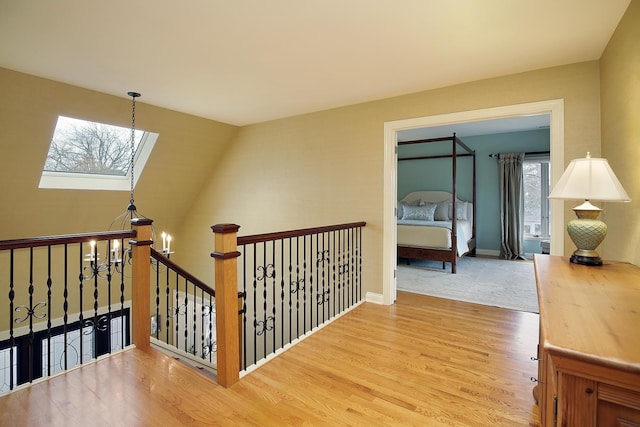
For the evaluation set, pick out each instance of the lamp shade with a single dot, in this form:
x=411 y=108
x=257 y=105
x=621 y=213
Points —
x=589 y=179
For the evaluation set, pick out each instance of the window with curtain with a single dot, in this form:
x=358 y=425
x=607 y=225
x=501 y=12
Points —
x=536 y=177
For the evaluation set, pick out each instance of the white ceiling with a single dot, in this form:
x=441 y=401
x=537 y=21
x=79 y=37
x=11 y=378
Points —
x=247 y=61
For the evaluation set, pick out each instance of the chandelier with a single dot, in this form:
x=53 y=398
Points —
x=119 y=255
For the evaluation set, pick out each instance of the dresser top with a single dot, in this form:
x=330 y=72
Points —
x=590 y=313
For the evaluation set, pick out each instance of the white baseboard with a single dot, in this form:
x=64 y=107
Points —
x=374 y=298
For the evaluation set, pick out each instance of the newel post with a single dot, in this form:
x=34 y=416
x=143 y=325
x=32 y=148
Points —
x=226 y=286
x=140 y=292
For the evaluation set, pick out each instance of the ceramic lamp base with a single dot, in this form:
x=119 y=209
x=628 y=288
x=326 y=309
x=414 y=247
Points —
x=587 y=232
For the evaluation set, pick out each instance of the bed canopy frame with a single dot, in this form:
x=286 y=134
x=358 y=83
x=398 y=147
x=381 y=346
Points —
x=446 y=254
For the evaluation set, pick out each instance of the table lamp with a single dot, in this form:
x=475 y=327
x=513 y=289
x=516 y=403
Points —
x=588 y=179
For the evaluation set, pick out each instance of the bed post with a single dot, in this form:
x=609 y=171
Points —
x=454 y=211
x=473 y=225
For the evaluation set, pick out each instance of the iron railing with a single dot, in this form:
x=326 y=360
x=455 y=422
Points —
x=183 y=320
x=68 y=301
x=293 y=282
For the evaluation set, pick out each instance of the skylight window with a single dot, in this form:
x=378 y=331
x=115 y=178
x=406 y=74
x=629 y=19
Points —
x=94 y=156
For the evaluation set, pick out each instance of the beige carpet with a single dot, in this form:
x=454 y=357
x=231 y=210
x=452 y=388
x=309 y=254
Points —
x=487 y=281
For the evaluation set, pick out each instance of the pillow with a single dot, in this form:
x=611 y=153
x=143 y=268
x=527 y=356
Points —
x=442 y=211
x=402 y=204
x=423 y=213
x=461 y=210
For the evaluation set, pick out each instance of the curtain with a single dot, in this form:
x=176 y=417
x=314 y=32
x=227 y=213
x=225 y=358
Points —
x=511 y=205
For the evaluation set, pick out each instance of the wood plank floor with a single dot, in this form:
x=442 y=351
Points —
x=423 y=361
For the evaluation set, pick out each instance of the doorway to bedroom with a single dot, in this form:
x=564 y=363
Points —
x=534 y=128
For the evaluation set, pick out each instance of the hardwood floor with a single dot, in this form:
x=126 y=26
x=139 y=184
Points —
x=423 y=361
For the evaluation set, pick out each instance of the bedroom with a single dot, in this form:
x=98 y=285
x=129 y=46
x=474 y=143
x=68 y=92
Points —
x=487 y=138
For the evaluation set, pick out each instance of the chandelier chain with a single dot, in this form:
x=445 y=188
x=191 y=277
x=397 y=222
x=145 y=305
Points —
x=133 y=137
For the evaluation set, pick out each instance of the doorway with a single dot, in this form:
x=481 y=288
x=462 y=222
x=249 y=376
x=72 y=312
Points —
x=555 y=109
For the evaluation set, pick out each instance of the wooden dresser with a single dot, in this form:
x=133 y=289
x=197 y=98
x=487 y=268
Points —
x=589 y=350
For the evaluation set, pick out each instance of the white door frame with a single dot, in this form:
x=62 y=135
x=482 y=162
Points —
x=554 y=107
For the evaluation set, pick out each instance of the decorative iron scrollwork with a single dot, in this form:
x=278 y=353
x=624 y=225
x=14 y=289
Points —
x=180 y=310
x=31 y=312
x=268 y=271
x=208 y=310
x=323 y=256
x=209 y=347
x=297 y=285
x=102 y=325
x=343 y=269
x=264 y=325
x=323 y=297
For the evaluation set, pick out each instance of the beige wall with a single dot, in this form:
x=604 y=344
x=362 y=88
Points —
x=303 y=171
x=620 y=88
x=187 y=149
x=327 y=167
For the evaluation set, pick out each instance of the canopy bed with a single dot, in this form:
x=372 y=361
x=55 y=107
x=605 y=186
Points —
x=437 y=225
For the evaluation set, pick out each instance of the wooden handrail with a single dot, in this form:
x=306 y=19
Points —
x=65 y=238
x=266 y=237
x=171 y=265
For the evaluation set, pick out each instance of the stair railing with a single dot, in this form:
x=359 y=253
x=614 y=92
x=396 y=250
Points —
x=292 y=283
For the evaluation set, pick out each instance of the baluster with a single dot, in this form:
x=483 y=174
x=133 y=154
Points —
x=112 y=262
x=335 y=256
x=212 y=343
x=65 y=305
x=12 y=380
x=203 y=342
x=311 y=302
x=176 y=315
x=169 y=314
x=305 y=326
x=244 y=308
x=31 y=337
x=282 y=295
x=340 y=271
x=81 y=315
x=273 y=293
x=195 y=320
x=157 y=269
x=49 y=283
x=291 y=281
x=185 y=314
x=321 y=296
x=264 y=298
x=359 y=256
x=300 y=286
x=94 y=329
x=123 y=324
x=347 y=267
x=352 y=299
x=297 y=286
x=255 y=304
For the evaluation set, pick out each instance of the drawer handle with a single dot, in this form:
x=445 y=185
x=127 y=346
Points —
x=535 y=359
x=535 y=380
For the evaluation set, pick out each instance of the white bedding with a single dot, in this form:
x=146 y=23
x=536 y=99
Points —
x=433 y=234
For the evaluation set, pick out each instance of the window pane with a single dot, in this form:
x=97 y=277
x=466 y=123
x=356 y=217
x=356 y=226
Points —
x=79 y=146
x=69 y=354
x=532 y=198
x=6 y=367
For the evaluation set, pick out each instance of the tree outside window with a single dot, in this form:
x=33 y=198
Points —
x=80 y=146
x=536 y=204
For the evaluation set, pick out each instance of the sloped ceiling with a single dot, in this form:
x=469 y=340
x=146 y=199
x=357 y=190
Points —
x=248 y=61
